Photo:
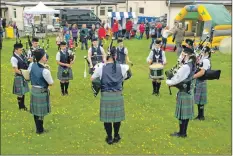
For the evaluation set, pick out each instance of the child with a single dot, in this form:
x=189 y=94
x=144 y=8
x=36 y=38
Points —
x=67 y=37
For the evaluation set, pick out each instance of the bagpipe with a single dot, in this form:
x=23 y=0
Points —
x=96 y=83
x=170 y=73
x=209 y=74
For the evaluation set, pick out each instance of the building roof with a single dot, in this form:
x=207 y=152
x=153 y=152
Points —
x=224 y=2
x=67 y=3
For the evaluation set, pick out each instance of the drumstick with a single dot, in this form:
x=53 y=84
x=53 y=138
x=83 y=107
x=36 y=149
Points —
x=85 y=73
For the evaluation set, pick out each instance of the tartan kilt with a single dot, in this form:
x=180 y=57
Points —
x=59 y=74
x=184 y=106
x=39 y=102
x=200 y=92
x=112 y=107
x=20 y=86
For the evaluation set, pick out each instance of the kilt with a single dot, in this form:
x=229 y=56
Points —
x=39 y=102
x=184 y=106
x=59 y=74
x=112 y=107
x=200 y=92
x=20 y=86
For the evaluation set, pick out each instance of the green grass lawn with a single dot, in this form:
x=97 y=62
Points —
x=74 y=126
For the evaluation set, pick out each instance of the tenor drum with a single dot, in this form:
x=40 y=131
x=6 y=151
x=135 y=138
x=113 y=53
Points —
x=156 y=71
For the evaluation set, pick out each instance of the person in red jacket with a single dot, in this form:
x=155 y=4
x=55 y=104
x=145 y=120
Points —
x=101 y=34
x=115 y=29
x=129 y=26
x=142 y=29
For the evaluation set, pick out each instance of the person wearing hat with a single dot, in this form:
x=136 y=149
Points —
x=20 y=86
x=64 y=73
x=35 y=45
x=96 y=55
x=200 y=91
x=112 y=110
x=189 y=43
x=183 y=80
x=41 y=79
x=157 y=55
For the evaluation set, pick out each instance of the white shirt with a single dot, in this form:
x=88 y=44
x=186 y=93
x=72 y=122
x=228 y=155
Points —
x=180 y=76
x=98 y=71
x=165 y=33
x=150 y=57
x=14 y=61
x=29 y=54
x=206 y=64
x=125 y=50
x=58 y=55
x=46 y=74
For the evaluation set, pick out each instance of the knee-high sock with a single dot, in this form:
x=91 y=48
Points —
x=108 y=128
x=186 y=125
x=183 y=127
x=23 y=99
x=20 y=100
x=201 y=110
x=180 y=126
x=158 y=86
x=62 y=87
x=154 y=84
x=116 y=126
x=66 y=86
x=36 y=119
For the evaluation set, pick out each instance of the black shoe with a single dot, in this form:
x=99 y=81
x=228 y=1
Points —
x=153 y=93
x=176 y=134
x=62 y=93
x=183 y=135
x=38 y=132
x=202 y=118
x=109 y=140
x=117 y=139
x=24 y=109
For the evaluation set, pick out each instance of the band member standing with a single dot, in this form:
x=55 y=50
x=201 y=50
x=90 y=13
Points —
x=41 y=79
x=64 y=73
x=112 y=110
x=184 y=101
x=122 y=53
x=157 y=55
x=35 y=45
x=20 y=87
x=122 y=56
x=200 y=90
x=96 y=55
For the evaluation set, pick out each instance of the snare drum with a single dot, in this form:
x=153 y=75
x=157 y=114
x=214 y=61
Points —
x=156 y=71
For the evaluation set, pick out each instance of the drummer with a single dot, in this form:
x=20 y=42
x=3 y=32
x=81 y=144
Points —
x=157 y=55
x=96 y=55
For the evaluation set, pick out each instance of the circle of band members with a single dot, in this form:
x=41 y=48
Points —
x=20 y=85
x=64 y=62
x=96 y=55
x=157 y=55
x=183 y=80
x=41 y=79
x=200 y=91
x=112 y=112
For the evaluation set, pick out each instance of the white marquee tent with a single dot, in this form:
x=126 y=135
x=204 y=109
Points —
x=40 y=8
